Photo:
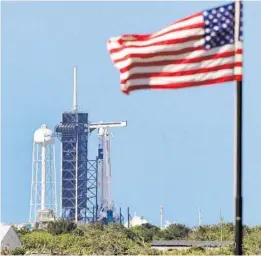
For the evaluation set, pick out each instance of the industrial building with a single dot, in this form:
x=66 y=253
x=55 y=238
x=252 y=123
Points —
x=85 y=184
x=136 y=221
x=183 y=244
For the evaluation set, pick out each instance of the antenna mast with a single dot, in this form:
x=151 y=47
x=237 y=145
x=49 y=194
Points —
x=221 y=225
x=161 y=216
x=75 y=89
x=199 y=217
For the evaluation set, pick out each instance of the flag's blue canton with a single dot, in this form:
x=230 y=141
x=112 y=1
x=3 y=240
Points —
x=219 y=25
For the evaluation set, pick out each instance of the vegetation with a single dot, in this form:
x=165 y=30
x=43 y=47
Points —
x=66 y=238
x=18 y=251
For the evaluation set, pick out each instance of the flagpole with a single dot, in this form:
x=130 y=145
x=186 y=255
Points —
x=238 y=148
x=238 y=174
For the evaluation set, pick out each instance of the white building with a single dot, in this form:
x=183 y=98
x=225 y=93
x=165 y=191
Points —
x=136 y=221
x=168 y=223
x=9 y=238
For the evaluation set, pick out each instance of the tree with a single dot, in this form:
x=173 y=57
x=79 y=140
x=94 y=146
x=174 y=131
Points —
x=176 y=231
x=18 y=251
x=213 y=232
x=147 y=232
x=114 y=239
x=67 y=244
x=61 y=227
x=252 y=242
x=21 y=231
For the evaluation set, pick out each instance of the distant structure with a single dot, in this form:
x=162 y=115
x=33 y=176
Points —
x=43 y=203
x=136 y=221
x=106 y=209
x=164 y=245
x=8 y=237
x=78 y=174
x=161 y=216
x=167 y=223
x=199 y=217
x=85 y=194
x=221 y=221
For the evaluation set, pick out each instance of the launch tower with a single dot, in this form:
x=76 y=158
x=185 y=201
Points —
x=78 y=174
x=83 y=180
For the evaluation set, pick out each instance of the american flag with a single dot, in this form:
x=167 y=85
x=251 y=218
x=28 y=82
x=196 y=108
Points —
x=197 y=50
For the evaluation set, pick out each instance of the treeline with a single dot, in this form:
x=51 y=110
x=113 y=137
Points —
x=66 y=238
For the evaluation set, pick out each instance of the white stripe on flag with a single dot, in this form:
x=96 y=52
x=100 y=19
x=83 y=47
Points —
x=178 y=67
x=180 y=79
x=159 y=48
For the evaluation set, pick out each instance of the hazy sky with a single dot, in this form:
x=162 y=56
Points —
x=178 y=147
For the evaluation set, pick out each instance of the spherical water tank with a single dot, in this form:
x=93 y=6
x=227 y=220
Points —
x=43 y=135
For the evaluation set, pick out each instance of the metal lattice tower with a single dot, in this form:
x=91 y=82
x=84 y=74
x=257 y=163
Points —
x=43 y=203
x=78 y=174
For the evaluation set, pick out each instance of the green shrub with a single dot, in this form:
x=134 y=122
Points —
x=18 y=251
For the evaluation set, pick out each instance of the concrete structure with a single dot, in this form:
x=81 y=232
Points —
x=9 y=238
x=183 y=244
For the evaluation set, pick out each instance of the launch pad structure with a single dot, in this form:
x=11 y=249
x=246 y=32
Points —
x=85 y=193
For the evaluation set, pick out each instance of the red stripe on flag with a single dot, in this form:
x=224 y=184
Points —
x=159 y=54
x=150 y=35
x=140 y=70
x=141 y=38
x=181 y=61
x=184 y=85
x=182 y=73
x=164 y=42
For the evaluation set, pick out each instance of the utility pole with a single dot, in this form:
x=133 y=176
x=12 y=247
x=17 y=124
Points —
x=221 y=226
x=128 y=214
x=161 y=216
x=199 y=217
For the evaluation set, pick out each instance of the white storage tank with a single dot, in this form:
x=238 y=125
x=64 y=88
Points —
x=43 y=188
